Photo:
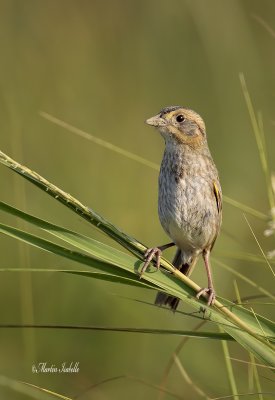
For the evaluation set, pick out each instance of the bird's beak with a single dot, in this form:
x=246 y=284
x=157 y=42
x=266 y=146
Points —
x=156 y=121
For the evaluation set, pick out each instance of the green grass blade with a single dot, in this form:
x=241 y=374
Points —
x=259 y=136
x=75 y=205
x=267 y=326
x=171 y=361
x=114 y=278
x=264 y=24
x=186 y=377
x=81 y=242
x=127 y=269
x=99 y=141
x=260 y=247
x=172 y=332
x=243 y=256
x=245 y=208
x=245 y=279
x=103 y=276
x=51 y=247
x=229 y=369
x=33 y=391
x=256 y=376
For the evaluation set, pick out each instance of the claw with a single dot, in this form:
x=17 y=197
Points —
x=148 y=256
x=211 y=295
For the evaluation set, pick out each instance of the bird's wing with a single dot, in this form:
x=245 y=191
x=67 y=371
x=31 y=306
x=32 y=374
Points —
x=218 y=196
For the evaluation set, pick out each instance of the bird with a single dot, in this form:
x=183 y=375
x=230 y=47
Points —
x=189 y=196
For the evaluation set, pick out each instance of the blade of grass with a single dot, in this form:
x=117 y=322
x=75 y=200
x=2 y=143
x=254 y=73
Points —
x=259 y=139
x=152 y=331
x=238 y=296
x=228 y=364
x=156 y=387
x=262 y=133
x=250 y=374
x=254 y=303
x=245 y=279
x=129 y=377
x=162 y=281
x=69 y=201
x=155 y=281
x=260 y=247
x=229 y=370
x=248 y=362
x=245 y=208
x=19 y=194
x=256 y=376
x=81 y=242
x=34 y=392
x=48 y=392
x=112 y=271
x=243 y=395
x=171 y=361
x=253 y=297
x=242 y=256
x=258 y=322
x=250 y=316
x=98 y=141
x=95 y=275
x=188 y=380
x=264 y=24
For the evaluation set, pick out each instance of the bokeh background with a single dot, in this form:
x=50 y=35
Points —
x=104 y=67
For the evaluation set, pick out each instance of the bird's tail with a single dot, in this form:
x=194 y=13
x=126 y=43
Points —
x=163 y=299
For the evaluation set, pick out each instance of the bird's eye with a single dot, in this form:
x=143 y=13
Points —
x=180 y=118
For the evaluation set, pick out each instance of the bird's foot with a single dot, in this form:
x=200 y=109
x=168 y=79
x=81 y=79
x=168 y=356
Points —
x=148 y=257
x=211 y=295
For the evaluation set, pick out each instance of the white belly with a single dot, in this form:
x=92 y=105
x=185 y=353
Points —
x=186 y=212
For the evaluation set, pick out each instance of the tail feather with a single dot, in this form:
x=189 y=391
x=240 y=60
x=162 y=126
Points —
x=171 y=301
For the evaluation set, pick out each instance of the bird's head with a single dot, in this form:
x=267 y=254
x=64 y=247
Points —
x=180 y=125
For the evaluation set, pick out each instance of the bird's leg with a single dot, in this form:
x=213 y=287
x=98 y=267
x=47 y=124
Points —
x=210 y=290
x=154 y=252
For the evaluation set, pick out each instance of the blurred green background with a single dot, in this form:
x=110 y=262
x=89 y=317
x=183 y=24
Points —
x=104 y=67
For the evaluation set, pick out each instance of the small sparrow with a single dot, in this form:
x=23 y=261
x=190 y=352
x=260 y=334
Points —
x=190 y=196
